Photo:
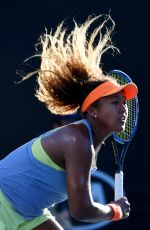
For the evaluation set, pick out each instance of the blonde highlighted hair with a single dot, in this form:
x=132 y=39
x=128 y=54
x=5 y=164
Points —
x=71 y=63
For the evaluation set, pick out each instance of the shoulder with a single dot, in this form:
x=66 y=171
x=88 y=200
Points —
x=71 y=143
x=76 y=135
x=77 y=148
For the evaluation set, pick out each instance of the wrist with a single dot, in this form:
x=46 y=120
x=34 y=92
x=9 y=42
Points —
x=117 y=212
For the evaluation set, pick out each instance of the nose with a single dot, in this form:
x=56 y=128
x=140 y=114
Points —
x=124 y=108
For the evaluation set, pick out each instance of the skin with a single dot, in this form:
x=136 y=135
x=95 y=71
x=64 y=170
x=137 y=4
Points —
x=70 y=146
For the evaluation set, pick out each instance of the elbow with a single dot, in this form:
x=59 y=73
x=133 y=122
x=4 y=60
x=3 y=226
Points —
x=80 y=214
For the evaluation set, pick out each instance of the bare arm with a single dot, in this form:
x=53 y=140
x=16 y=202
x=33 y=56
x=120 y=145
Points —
x=74 y=154
x=78 y=165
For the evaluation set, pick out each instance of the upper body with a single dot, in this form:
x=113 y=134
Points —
x=70 y=79
x=73 y=148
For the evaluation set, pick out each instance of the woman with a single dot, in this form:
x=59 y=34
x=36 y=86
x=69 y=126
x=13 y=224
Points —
x=58 y=164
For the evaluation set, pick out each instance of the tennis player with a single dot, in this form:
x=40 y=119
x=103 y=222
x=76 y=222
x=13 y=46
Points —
x=57 y=165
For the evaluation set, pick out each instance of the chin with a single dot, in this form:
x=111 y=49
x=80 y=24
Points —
x=120 y=129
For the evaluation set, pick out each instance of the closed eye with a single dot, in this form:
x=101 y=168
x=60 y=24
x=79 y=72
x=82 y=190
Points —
x=115 y=102
x=124 y=103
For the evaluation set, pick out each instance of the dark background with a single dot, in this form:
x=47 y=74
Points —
x=23 y=117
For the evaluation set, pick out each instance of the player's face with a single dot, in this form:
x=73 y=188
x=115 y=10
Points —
x=112 y=112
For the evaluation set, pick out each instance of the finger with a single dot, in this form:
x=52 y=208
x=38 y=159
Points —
x=126 y=215
x=126 y=212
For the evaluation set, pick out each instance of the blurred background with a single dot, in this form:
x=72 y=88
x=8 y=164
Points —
x=23 y=117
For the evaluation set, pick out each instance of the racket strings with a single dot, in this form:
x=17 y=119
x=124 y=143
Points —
x=130 y=123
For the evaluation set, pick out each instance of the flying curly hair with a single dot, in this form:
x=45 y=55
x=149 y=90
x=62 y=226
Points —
x=71 y=64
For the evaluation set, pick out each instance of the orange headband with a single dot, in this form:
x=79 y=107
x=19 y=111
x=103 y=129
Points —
x=108 y=88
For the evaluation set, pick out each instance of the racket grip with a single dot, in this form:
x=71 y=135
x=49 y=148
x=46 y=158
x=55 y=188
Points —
x=118 y=185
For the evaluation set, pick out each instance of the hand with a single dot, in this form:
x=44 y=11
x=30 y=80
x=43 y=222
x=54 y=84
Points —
x=125 y=206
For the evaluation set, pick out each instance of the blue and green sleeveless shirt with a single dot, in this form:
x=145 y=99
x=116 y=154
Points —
x=31 y=181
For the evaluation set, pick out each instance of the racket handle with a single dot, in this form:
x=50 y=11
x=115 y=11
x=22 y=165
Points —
x=118 y=185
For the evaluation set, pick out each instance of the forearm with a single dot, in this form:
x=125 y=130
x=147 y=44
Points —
x=100 y=212
x=95 y=213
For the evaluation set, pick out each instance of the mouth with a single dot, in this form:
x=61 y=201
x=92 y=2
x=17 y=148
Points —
x=123 y=120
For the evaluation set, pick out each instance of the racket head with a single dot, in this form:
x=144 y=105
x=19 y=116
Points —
x=133 y=110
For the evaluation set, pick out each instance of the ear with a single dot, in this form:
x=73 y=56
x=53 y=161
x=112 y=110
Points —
x=91 y=111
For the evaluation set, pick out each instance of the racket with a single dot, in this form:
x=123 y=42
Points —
x=122 y=140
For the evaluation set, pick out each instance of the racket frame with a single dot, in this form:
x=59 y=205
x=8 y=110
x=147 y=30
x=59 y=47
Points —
x=119 y=191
